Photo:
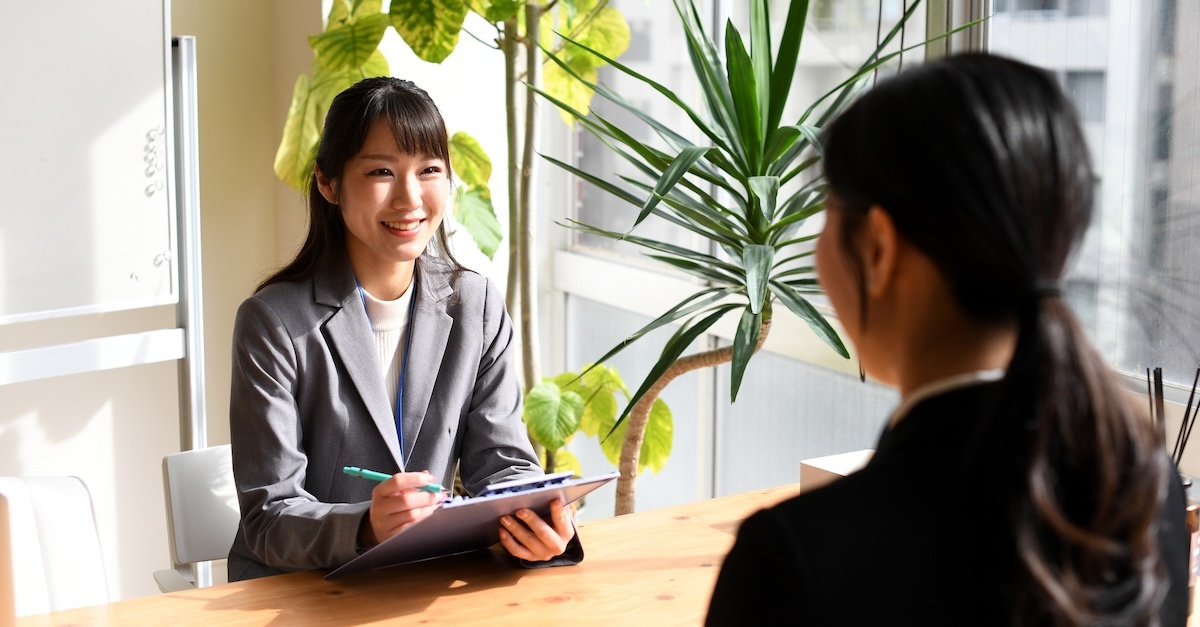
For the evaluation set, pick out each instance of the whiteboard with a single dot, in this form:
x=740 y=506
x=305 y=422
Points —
x=87 y=223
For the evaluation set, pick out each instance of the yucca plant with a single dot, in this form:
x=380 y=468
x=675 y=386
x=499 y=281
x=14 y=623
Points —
x=726 y=191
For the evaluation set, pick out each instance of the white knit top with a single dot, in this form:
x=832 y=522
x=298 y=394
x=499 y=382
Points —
x=389 y=322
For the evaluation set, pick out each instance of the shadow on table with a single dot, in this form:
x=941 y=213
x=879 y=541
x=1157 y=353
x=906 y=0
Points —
x=386 y=593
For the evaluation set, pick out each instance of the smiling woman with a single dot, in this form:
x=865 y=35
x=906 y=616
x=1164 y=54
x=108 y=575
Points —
x=392 y=202
x=324 y=348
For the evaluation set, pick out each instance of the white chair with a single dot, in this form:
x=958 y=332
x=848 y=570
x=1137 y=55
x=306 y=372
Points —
x=202 y=515
x=53 y=549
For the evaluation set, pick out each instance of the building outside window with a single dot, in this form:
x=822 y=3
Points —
x=1130 y=69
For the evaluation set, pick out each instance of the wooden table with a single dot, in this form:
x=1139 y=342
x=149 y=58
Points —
x=650 y=568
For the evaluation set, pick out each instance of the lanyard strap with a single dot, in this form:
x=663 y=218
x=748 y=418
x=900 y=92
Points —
x=412 y=305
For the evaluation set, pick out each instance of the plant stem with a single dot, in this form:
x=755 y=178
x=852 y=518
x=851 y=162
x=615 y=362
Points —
x=531 y=357
x=551 y=461
x=635 y=435
x=508 y=44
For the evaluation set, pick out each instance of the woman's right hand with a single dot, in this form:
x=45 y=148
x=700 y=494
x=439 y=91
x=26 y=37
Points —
x=396 y=504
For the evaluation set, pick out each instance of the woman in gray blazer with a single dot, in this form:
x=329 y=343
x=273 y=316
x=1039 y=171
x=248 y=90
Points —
x=370 y=350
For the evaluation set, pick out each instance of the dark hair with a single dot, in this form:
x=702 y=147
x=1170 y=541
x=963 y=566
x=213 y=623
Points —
x=418 y=128
x=981 y=163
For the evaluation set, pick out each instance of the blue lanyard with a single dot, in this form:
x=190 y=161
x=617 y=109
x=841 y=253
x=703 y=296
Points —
x=408 y=333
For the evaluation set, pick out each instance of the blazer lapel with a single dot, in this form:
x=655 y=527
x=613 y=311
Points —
x=430 y=331
x=349 y=333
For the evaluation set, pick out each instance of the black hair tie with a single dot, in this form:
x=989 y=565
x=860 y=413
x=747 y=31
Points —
x=1044 y=289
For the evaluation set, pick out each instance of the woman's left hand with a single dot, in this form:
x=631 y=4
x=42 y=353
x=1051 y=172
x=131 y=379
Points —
x=527 y=536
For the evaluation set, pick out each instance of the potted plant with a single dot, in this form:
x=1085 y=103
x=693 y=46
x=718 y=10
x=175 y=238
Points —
x=765 y=170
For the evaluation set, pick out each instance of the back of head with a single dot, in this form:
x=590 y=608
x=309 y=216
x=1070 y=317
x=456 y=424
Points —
x=981 y=163
x=418 y=128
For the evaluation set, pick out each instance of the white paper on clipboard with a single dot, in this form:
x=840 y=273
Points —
x=468 y=524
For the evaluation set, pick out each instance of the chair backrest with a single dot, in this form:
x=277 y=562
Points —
x=202 y=507
x=53 y=544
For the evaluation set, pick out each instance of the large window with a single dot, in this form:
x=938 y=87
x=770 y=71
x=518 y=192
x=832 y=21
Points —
x=1130 y=68
x=811 y=407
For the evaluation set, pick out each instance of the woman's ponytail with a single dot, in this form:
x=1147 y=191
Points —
x=1094 y=480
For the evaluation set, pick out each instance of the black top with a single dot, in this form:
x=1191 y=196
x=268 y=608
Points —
x=918 y=536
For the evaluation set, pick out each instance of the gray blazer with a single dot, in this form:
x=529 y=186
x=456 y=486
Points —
x=308 y=398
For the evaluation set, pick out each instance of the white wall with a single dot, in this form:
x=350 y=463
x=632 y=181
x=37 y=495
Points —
x=248 y=56
x=113 y=428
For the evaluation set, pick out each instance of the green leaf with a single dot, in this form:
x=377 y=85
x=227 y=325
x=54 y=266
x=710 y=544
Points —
x=552 y=415
x=683 y=308
x=468 y=160
x=604 y=377
x=429 y=27
x=698 y=270
x=600 y=403
x=757 y=258
x=339 y=11
x=649 y=160
x=665 y=247
x=760 y=55
x=327 y=83
x=301 y=132
x=813 y=135
x=673 y=173
x=564 y=460
x=766 y=191
x=801 y=307
x=497 y=10
x=565 y=87
x=674 y=347
x=660 y=435
x=778 y=142
x=697 y=217
x=744 y=342
x=785 y=61
x=348 y=47
x=572 y=7
x=473 y=209
x=705 y=127
x=656 y=447
x=744 y=92
x=606 y=32
x=714 y=87
x=366 y=7
x=595 y=180
x=846 y=89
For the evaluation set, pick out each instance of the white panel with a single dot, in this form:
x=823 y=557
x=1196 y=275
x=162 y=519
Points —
x=91 y=355
x=83 y=156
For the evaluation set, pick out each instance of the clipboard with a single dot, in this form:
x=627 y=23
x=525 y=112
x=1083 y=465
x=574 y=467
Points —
x=463 y=524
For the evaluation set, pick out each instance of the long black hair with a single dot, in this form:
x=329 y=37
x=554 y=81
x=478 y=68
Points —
x=418 y=128
x=981 y=163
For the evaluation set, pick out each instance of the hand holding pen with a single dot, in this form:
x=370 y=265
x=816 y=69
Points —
x=355 y=471
x=397 y=502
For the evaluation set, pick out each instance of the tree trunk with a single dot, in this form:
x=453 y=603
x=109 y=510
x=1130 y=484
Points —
x=631 y=449
x=511 y=49
x=509 y=46
x=531 y=352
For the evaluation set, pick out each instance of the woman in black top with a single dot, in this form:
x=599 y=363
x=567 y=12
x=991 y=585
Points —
x=1016 y=483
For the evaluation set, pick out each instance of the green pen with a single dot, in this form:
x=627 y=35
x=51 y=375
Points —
x=355 y=471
